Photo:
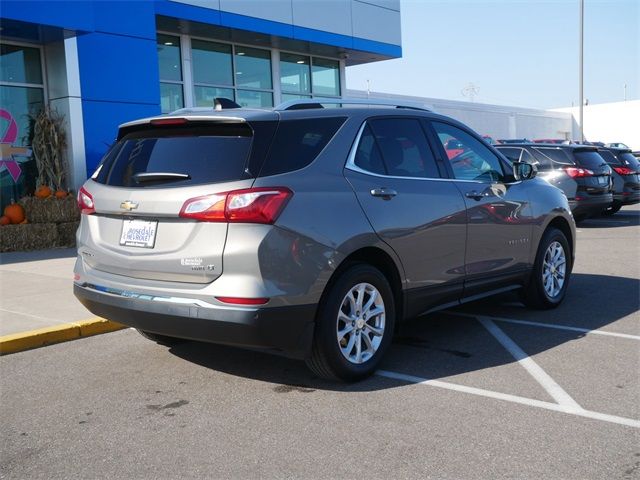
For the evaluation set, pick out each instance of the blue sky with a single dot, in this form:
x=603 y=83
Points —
x=516 y=52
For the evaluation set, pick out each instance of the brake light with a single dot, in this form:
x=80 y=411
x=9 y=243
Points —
x=251 y=205
x=243 y=301
x=624 y=170
x=169 y=121
x=574 y=172
x=85 y=202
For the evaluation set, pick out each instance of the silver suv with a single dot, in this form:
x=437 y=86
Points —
x=309 y=231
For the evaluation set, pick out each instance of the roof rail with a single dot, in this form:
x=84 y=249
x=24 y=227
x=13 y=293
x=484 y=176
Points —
x=317 y=103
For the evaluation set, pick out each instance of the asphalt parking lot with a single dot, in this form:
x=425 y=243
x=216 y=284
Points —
x=488 y=390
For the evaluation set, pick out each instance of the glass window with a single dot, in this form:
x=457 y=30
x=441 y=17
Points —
x=609 y=157
x=253 y=68
x=211 y=63
x=295 y=75
x=20 y=64
x=556 y=155
x=204 y=95
x=589 y=159
x=289 y=96
x=298 y=142
x=171 y=97
x=469 y=157
x=630 y=160
x=326 y=77
x=252 y=99
x=404 y=148
x=513 y=154
x=169 y=58
x=368 y=155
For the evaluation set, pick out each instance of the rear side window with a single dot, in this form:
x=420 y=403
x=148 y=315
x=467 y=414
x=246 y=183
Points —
x=589 y=159
x=186 y=156
x=297 y=143
x=511 y=153
x=629 y=160
x=556 y=155
x=609 y=157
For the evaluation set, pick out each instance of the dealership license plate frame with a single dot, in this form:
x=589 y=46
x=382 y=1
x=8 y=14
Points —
x=129 y=224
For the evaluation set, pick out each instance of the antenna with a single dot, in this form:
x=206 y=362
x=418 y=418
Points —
x=471 y=91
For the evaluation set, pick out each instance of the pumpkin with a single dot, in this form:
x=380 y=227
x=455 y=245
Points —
x=61 y=194
x=24 y=221
x=14 y=212
x=43 y=192
x=4 y=220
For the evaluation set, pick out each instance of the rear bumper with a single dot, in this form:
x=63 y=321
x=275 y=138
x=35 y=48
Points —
x=283 y=330
x=627 y=197
x=591 y=205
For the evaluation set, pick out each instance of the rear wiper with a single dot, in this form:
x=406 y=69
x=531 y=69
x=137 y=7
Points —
x=160 y=176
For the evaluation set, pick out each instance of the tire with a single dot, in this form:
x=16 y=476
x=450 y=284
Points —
x=160 y=339
x=535 y=294
x=335 y=359
x=612 y=209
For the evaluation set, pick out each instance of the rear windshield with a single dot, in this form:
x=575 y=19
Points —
x=589 y=159
x=630 y=160
x=609 y=157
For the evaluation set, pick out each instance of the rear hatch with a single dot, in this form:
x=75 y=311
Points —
x=628 y=169
x=596 y=176
x=142 y=184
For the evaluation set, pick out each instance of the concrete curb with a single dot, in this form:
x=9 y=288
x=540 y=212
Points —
x=17 y=342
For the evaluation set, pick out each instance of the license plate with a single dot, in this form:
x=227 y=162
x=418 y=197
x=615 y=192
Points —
x=138 y=233
x=603 y=180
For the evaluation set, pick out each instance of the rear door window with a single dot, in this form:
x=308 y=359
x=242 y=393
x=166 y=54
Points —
x=297 y=143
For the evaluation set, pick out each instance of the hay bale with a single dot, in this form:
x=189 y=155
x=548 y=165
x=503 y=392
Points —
x=29 y=236
x=67 y=234
x=51 y=210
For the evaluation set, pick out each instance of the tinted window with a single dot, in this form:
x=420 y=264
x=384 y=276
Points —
x=404 y=148
x=368 y=155
x=511 y=153
x=630 y=160
x=202 y=155
x=589 y=159
x=298 y=142
x=557 y=155
x=609 y=157
x=469 y=157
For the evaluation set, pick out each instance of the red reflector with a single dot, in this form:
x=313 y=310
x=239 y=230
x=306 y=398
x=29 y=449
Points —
x=85 y=202
x=624 y=171
x=243 y=301
x=76 y=276
x=574 y=172
x=251 y=205
x=169 y=121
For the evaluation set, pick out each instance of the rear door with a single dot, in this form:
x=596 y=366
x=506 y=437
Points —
x=141 y=186
x=499 y=212
x=418 y=214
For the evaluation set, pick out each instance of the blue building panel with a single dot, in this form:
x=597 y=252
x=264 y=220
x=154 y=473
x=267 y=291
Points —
x=67 y=14
x=135 y=19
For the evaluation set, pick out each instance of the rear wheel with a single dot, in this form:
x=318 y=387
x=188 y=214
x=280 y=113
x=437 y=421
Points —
x=354 y=325
x=160 y=339
x=551 y=271
x=612 y=209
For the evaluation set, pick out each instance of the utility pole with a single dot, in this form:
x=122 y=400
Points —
x=625 y=92
x=581 y=71
x=471 y=90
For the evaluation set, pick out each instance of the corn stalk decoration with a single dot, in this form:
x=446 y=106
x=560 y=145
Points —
x=49 y=148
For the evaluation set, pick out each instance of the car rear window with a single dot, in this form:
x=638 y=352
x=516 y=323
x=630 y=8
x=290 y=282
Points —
x=205 y=154
x=630 y=160
x=588 y=159
x=557 y=155
x=297 y=143
x=609 y=157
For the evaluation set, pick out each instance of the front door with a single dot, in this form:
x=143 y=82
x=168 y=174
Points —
x=499 y=214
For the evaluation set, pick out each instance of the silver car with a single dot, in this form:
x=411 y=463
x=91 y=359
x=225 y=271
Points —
x=311 y=232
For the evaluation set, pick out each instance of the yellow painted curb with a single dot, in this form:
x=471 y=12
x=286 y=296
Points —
x=17 y=342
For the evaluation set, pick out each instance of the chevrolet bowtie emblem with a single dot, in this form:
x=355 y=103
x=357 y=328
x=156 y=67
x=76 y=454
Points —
x=128 y=205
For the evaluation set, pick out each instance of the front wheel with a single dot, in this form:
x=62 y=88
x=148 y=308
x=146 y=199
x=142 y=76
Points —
x=549 y=280
x=354 y=325
x=612 y=209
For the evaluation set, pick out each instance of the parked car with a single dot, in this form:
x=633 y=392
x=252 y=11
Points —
x=578 y=170
x=311 y=232
x=507 y=141
x=554 y=141
x=617 y=145
x=626 y=177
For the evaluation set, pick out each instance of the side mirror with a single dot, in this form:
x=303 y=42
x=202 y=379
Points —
x=524 y=171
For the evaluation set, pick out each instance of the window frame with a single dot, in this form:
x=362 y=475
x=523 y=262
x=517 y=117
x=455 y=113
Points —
x=351 y=165
x=312 y=93
x=43 y=69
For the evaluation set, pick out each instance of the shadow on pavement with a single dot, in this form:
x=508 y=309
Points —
x=442 y=344
x=621 y=219
x=37 y=255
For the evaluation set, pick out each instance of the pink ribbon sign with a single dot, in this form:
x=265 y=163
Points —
x=7 y=150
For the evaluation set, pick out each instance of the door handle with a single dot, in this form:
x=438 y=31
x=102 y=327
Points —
x=476 y=195
x=386 y=193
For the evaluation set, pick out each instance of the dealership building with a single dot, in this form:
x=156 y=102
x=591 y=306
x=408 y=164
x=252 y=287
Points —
x=101 y=63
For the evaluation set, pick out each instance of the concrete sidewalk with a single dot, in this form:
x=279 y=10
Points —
x=36 y=289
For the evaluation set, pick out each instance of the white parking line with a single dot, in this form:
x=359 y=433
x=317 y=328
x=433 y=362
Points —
x=551 y=325
x=548 y=383
x=629 y=422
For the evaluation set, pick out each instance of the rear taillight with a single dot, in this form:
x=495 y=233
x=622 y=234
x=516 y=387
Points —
x=624 y=171
x=243 y=301
x=252 y=205
x=85 y=202
x=574 y=172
